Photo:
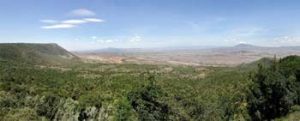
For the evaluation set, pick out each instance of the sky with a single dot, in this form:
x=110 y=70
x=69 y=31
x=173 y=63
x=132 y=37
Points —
x=95 y=24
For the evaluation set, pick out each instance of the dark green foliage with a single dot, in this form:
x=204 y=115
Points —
x=146 y=102
x=274 y=89
x=124 y=111
x=298 y=75
x=289 y=65
x=48 y=107
x=196 y=109
x=270 y=96
x=82 y=115
x=290 y=68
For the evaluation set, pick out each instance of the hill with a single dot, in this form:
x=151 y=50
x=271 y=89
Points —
x=47 y=54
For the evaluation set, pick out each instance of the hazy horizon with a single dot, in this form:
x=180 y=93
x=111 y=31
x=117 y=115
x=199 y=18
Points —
x=96 y=24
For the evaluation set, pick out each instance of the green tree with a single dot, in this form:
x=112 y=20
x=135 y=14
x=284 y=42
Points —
x=271 y=95
x=146 y=102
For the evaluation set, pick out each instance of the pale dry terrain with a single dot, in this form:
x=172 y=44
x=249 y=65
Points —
x=222 y=56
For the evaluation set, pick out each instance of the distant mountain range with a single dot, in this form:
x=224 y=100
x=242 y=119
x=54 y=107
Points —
x=239 y=47
x=249 y=46
x=259 y=49
x=53 y=54
x=205 y=56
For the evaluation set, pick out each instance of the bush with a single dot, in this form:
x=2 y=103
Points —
x=48 y=107
x=146 y=102
x=274 y=90
x=124 y=112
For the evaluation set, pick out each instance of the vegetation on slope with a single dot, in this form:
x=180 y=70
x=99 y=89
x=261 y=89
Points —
x=149 y=92
x=120 y=92
x=35 y=53
x=275 y=89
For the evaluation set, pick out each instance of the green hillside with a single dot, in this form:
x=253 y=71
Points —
x=264 y=90
x=35 y=53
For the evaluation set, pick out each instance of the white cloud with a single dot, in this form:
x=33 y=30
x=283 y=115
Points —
x=74 y=21
x=58 y=26
x=82 y=12
x=49 y=21
x=93 y=20
x=135 y=39
x=70 y=23
x=82 y=21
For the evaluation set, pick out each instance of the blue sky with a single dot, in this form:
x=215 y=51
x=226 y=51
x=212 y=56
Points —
x=92 y=24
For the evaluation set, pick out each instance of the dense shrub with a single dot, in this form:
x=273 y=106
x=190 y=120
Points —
x=274 y=89
x=147 y=104
x=48 y=107
x=124 y=111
